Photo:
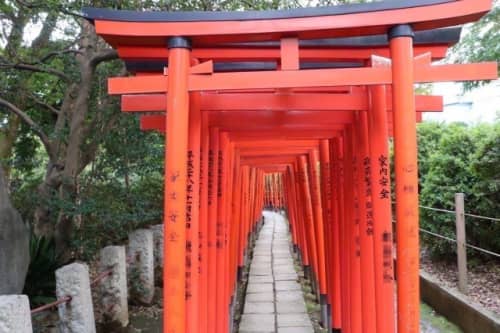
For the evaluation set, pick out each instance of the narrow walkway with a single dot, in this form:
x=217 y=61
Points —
x=274 y=301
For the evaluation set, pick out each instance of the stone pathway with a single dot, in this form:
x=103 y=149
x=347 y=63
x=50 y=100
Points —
x=274 y=301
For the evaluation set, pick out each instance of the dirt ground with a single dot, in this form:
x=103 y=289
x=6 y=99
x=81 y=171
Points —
x=483 y=280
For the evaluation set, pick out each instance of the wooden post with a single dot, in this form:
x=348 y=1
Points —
x=176 y=147
x=192 y=215
x=213 y=185
x=406 y=175
x=381 y=205
x=461 y=243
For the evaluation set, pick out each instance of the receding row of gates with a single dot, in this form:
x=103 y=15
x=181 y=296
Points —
x=290 y=109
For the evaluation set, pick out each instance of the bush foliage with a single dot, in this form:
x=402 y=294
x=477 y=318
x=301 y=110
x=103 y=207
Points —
x=459 y=158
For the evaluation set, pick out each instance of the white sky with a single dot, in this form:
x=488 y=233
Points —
x=485 y=103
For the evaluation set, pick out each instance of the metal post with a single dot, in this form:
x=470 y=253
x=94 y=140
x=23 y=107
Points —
x=461 y=243
x=174 y=291
x=406 y=171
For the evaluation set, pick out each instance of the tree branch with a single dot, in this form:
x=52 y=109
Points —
x=55 y=54
x=105 y=55
x=34 y=126
x=33 y=68
x=45 y=105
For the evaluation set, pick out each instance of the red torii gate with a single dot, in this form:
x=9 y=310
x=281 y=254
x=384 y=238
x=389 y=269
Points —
x=314 y=88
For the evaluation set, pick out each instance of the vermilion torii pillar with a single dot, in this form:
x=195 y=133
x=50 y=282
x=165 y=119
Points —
x=406 y=174
x=176 y=161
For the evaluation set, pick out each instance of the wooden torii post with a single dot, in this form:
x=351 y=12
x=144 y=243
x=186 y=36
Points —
x=233 y=75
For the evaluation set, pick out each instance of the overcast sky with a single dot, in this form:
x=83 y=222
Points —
x=485 y=103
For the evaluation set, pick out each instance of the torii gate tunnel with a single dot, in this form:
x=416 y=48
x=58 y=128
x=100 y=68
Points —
x=293 y=110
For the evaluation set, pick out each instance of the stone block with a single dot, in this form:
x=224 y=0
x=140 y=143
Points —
x=113 y=288
x=15 y=314
x=14 y=244
x=76 y=316
x=141 y=268
x=158 y=251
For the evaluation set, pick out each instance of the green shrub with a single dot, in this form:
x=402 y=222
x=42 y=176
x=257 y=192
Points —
x=40 y=284
x=459 y=158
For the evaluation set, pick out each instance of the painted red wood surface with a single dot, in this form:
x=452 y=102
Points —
x=310 y=142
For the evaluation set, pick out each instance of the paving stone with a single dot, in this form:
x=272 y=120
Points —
x=257 y=323
x=298 y=306
x=284 y=269
x=261 y=259
x=261 y=266
x=268 y=294
x=260 y=279
x=294 y=320
x=295 y=330
x=257 y=271
x=286 y=277
x=253 y=288
x=260 y=297
x=283 y=261
x=262 y=252
x=259 y=307
x=287 y=286
x=284 y=296
x=261 y=255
